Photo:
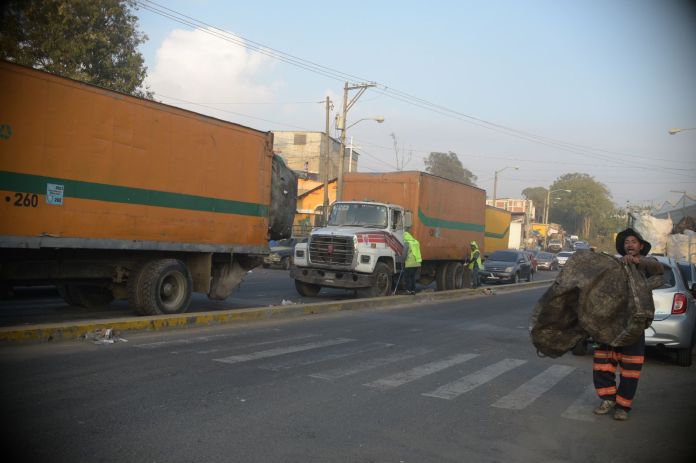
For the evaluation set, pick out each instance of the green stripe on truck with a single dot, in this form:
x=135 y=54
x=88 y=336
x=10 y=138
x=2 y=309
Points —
x=433 y=222
x=28 y=183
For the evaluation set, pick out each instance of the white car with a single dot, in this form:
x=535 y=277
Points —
x=563 y=257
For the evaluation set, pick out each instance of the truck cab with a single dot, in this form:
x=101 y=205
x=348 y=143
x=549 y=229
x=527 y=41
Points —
x=361 y=248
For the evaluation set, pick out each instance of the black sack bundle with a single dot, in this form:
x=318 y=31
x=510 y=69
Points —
x=594 y=295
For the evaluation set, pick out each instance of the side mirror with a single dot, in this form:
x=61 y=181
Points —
x=408 y=219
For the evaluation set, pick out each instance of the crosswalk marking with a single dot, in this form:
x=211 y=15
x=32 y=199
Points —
x=534 y=388
x=291 y=363
x=251 y=344
x=369 y=364
x=418 y=372
x=474 y=380
x=581 y=408
x=281 y=351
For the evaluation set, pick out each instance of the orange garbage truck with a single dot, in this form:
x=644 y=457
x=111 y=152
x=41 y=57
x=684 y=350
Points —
x=109 y=196
x=362 y=246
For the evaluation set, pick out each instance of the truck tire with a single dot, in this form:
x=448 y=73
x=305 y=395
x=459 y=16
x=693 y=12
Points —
x=441 y=277
x=383 y=283
x=454 y=275
x=161 y=287
x=307 y=289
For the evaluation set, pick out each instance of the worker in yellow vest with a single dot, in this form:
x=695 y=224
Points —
x=413 y=262
x=475 y=265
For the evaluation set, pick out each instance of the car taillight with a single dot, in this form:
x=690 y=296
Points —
x=679 y=304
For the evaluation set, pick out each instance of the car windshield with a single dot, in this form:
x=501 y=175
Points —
x=285 y=242
x=669 y=277
x=565 y=254
x=544 y=255
x=358 y=215
x=503 y=256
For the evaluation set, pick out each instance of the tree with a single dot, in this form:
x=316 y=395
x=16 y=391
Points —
x=587 y=209
x=93 y=41
x=538 y=196
x=448 y=165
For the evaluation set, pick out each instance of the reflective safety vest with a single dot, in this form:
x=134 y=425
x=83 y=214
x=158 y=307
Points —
x=475 y=256
x=413 y=259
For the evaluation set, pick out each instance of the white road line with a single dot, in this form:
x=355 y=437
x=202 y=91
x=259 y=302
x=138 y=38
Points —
x=281 y=351
x=252 y=344
x=194 y=340
x=582 y=408
x=474 y=380
x=418 y=372
x=294 y=362
x=369 y=364
x=534 y=388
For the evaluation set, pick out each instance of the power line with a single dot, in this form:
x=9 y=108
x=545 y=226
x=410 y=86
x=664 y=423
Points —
x=393 y=93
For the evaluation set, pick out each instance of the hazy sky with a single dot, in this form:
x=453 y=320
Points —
x=549 y=86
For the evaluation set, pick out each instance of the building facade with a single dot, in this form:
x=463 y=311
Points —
x=302 y=152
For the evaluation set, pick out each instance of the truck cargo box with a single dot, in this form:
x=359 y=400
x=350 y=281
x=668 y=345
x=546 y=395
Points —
x=497 y=230
x=447 y=215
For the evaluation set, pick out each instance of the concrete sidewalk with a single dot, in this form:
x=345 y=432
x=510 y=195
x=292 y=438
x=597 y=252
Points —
x=119 y=326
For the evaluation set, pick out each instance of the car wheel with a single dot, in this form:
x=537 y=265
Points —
x=529 y=276
x=684 y=357
x=516 y=278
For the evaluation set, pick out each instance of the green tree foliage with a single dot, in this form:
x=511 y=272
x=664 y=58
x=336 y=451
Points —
x=448 y=165
x=94 y=41
x=587 y=210
x=538 y=196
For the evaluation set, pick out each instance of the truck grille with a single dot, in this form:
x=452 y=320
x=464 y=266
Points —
x=331 y=250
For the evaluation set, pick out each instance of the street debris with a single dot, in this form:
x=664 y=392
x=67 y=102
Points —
x=105 y=336
x=286 y=302
x=488 y=292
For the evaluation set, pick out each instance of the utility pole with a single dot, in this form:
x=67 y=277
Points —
x=325 y=160
x=343 y=127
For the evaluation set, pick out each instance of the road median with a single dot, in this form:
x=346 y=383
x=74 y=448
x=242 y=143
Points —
x=119 y=326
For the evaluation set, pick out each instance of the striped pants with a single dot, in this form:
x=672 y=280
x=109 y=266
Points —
x=630 y=361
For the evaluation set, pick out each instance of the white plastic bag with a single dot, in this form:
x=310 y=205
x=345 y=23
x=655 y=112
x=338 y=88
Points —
x=653 y=230
x=682 y=246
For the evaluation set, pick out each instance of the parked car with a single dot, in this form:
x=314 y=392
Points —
x=555 y=246
x=507 y=265
x=688 y=271
x=674 y=324
x=533 y=260
x=563 y=256
x=547 y=261
x=281 y=254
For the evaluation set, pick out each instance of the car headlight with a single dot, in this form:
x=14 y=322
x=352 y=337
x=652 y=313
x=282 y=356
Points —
x=508 y=269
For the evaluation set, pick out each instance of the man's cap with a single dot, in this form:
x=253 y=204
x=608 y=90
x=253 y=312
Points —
x=621 y=237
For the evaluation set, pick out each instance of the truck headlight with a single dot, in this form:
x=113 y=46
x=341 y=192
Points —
x=364 y=259
x=299 y=253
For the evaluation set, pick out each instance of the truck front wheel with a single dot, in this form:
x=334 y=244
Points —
x=161 y=287
x=454 y=276
x=383 y=282
x=307 y=289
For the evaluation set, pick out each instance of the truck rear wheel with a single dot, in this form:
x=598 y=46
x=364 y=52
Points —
x=307 y=289
x=441 y=277
x=454 y=275
x=161 y=287
x=383 y=283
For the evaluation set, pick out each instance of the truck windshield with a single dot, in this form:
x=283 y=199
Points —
x=358 y=215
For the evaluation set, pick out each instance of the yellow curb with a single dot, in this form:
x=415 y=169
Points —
x=78 y=329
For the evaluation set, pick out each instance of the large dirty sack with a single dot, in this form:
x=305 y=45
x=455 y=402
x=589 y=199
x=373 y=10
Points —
x=594 y=295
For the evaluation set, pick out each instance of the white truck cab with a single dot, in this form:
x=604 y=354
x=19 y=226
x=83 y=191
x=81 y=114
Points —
x=361 y=248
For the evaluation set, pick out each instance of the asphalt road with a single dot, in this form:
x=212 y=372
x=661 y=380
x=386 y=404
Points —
x=448 y=382
x=261 y=288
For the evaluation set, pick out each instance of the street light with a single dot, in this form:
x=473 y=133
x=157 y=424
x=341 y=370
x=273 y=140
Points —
x=548 y=204
x=495 y=181
x=675 y=131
